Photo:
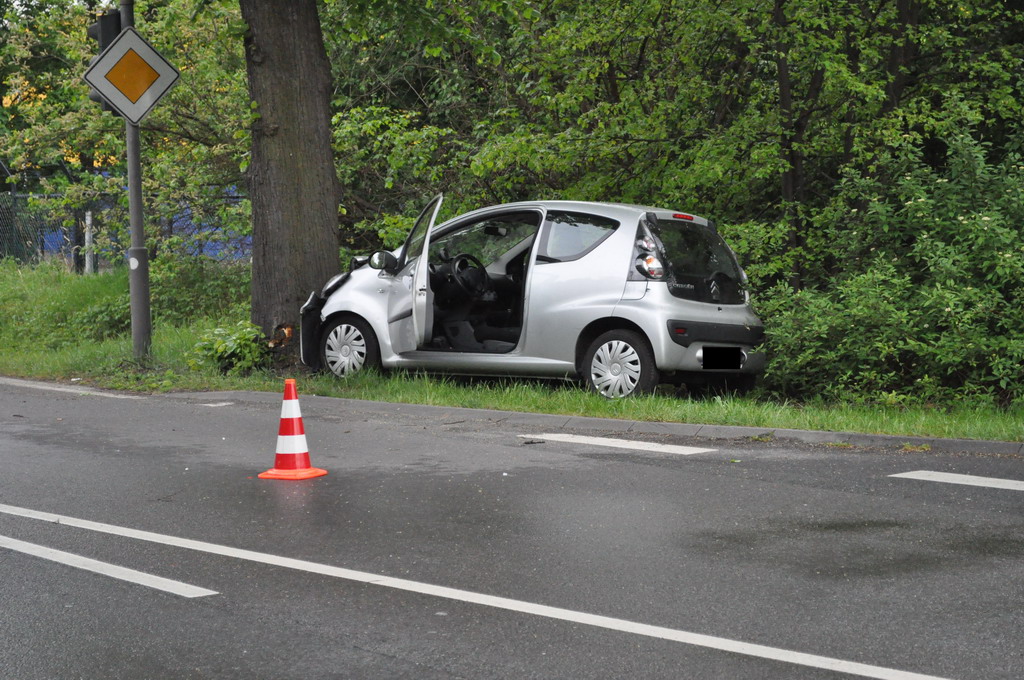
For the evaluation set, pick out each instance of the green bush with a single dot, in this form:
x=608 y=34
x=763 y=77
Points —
x=107 y=318
x=929 y=300
x=236 y=350
x=184 y=287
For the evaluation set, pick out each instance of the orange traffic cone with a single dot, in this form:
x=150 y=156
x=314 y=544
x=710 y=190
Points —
x=292 y=461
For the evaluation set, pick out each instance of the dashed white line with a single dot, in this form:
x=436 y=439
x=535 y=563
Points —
x=969 y=480
x=619 y=443
x=112 y=570
x=605 y=622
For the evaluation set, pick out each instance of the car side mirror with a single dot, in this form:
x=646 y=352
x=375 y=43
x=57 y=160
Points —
x=384 y=261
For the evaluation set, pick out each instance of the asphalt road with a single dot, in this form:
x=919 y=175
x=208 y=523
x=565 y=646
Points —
x=137 y=542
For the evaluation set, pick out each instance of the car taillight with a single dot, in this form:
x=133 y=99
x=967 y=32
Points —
x=646 y=243
x=650 y=266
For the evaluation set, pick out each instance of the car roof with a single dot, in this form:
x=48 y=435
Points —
x=605 y=208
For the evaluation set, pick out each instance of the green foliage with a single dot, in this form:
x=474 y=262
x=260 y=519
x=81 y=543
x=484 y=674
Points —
x=932 y=299
x=382 y=150
x=862 y=158
x=49 y=306
x=107 y=318
x=185 y=288
x=46 y=305
x=59 y=144
x=135 y=377
x=235 y=350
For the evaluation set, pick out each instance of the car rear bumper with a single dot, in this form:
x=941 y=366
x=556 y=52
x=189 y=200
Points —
x=686 y=333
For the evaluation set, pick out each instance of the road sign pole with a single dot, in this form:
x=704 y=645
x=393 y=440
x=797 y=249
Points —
x=138 y=255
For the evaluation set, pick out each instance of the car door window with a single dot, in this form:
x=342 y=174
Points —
x=572 y=235
x=414 y=241
x=487 y=240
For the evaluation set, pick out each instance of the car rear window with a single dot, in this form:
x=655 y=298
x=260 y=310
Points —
x=572 y=235
x=700 y=266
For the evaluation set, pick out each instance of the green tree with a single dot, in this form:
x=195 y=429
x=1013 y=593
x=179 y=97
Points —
x=61 y=145
x=837 y=144
x=789 y=123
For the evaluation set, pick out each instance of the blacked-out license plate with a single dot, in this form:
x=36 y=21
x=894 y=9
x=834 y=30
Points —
x=722 y=358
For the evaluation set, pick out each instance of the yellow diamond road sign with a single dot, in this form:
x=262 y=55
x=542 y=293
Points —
x=131 y=75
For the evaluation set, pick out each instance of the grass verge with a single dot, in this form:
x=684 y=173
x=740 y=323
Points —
x=42 y=339
x=108 y=364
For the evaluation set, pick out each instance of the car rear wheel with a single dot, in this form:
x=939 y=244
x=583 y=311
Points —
x=347 y=346
x=619 y=363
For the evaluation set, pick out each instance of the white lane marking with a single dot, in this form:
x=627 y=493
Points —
x=969 y=480
x=621 y=625
x=219 y=404
x=111 y=570
x=72 y=390
x=619 y=443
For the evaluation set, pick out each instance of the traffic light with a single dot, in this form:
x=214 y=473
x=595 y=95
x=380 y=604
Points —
x=106 y=28
x=103 y=31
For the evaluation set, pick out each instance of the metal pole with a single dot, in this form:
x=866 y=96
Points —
x=138 y=256
x=90 y=257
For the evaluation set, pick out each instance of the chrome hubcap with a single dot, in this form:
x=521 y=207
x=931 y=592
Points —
x=615 y=370
x=345 y=350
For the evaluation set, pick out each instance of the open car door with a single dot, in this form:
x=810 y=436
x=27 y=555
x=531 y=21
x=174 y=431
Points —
x=411 y=301
x=423 y=296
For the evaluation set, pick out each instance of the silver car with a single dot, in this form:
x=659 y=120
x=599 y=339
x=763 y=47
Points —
x=622 y=296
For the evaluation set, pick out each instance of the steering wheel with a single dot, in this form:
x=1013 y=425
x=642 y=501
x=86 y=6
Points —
x=470 y=275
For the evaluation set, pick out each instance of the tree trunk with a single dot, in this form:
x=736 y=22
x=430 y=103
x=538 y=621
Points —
x=291 y=177
x=791 y=158
x=794 y=124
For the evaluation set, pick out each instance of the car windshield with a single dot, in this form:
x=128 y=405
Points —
x=700 y=266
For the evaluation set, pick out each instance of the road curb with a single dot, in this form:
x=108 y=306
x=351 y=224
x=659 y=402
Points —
x=580 y=423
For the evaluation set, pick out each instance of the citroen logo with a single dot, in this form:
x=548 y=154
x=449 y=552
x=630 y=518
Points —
x=715 y=292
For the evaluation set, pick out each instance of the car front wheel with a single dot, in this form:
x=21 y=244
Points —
x=347 y=346
x=619 y=363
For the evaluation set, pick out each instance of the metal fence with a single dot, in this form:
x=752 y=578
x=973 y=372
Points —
x=28 y=234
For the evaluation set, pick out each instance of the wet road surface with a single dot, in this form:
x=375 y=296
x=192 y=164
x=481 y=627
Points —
x=456 y=544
